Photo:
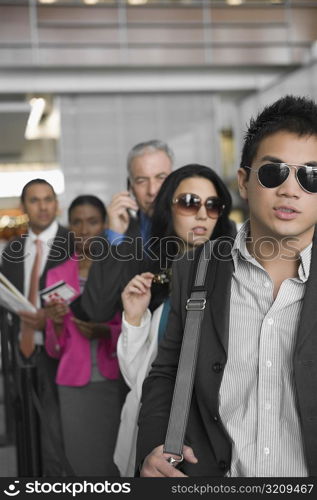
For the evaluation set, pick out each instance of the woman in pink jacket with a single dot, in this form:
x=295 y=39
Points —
x=91 y=391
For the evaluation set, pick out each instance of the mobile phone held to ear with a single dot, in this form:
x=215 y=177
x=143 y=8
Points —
x=133 y=213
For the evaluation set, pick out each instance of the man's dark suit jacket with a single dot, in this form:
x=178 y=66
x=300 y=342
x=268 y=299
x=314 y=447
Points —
x=110 y=273
x=13 y=257
x=205 y=432
x=13 y=268
x=13 y=262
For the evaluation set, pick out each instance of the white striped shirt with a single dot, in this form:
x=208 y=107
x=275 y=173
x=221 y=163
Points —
x=257 y=395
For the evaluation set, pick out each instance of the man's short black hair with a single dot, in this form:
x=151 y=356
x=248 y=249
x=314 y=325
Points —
x=290 y=113
x=31 y=183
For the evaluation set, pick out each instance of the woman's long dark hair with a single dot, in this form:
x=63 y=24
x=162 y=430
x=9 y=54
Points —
x=162 y=220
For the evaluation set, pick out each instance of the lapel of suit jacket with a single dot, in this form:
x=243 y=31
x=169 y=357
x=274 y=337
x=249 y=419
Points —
x=308 y=316
x=13 y=259
x=134 y=229
x=215 y=328
x=59 y=247
x=219 y=298
x=18 y=266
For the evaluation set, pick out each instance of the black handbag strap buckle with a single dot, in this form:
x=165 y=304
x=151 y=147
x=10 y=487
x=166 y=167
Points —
x=195 y=304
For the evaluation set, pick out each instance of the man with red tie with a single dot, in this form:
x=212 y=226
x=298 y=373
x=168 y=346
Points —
x=25 y=262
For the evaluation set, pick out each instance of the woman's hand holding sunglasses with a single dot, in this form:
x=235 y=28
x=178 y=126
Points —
x=136 y=297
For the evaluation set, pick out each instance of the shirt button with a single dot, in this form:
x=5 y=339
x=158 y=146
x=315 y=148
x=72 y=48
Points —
x=266 y=451
x=222 y=465
x=267 y=406
x=215 y=418
x=270 y=321
x=217 y=367
x=266 y=284
x=269 y=363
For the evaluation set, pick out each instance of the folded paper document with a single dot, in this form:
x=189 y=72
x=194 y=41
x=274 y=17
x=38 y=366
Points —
x=59 y=291
x=11 y=298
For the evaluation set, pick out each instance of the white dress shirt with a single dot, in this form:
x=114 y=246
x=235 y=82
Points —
x=47 y=237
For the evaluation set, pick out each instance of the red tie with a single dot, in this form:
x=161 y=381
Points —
x=27 y=333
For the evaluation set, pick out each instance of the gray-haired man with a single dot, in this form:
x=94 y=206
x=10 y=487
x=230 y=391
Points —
x=129 y=217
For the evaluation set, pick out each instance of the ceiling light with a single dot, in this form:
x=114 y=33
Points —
x=47 y=1
x=234 y=2
x=37 y=110
x=91 y=2
x=137 y=2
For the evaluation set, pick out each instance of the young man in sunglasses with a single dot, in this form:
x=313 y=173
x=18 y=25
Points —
x=253 y=410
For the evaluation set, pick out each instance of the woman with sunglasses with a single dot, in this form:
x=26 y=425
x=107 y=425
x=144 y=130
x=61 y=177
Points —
x=192 y=206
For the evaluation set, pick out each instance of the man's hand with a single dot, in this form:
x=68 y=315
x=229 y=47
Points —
x=117 y=214
x=36 y=320
x=92 y=330
x=156 y=464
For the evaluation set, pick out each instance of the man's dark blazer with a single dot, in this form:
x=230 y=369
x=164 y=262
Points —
x=13 y=268
x=205 y=432
x=13 y=257
x=110 y=273
x=12 y=265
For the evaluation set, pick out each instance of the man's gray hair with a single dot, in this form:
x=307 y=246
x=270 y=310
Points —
x=148 y=147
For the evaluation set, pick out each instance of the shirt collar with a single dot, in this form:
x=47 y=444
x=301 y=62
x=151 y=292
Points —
x=45 y=236
x=305 y=260
x=239 y=251
x=239 y=248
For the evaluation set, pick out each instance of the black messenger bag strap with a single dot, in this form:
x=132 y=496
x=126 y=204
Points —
x=187 y=361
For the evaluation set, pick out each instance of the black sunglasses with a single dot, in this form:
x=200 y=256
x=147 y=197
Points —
x=190 y=204
x=272 y=175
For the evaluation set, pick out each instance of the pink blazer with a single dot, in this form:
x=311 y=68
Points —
x=72 y=348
